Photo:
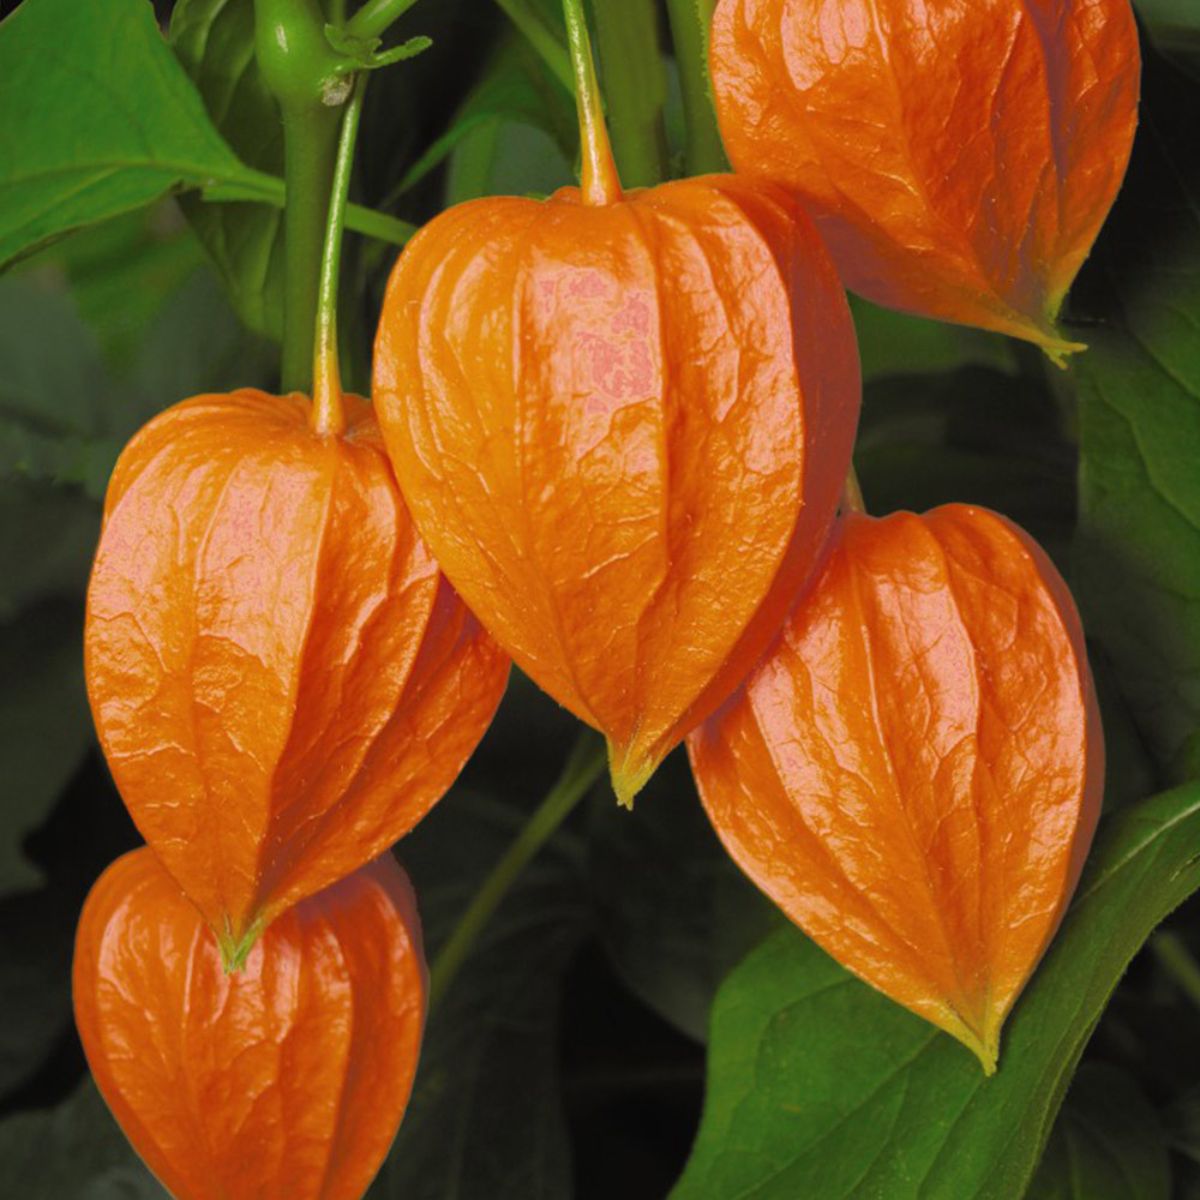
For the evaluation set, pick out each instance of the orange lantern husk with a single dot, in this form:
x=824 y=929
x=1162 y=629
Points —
x=915 y=771
x=287 y=1078
x=622 y=422
x=959 y=157
x=282 y=681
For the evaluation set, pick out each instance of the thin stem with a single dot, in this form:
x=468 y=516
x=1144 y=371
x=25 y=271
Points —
x=328 y=411
x=600 y=183
x=852 y=494
x=584 y=766
x=1175 y=958
x=376 y=16
x=691 y=25
x=535 y=31
x=635 y=86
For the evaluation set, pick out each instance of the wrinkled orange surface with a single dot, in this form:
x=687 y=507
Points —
x=286 y=1080
x=915 y=771
x=281 y=679
x=623 y=430
x=959 y=156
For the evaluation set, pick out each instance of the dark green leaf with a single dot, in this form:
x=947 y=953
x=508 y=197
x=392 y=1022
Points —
x=53 y=387
x=47 y=536
x=45 y=728
x=214 y=40
x=1107 y=1144
x=121 y=272
x=1139 y=395
x=98 y=120
x=893 y=343
x=674 y=913
x=514 y=88
x=486 y=1119
x=820 y=1086
x=73 y=1152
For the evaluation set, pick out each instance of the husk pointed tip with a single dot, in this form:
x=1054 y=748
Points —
x=629 y=774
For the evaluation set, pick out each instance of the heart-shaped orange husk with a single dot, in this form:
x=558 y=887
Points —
x=623 y=429
x=914 y=772
x=959 y=156
x=285 y=1079
x=282 y=681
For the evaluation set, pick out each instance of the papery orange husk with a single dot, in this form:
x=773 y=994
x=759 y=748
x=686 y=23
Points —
x=282 y=680
x=286 y=1079
x=915 y=771
x=622 y=428
x=959 y=156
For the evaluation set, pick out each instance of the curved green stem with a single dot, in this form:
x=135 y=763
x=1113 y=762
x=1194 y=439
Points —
x=543 y=39
x=584 y=766
x=328 y=411
x=376 y=16
x=600 y=182
x=691 y=24
x=634 y=86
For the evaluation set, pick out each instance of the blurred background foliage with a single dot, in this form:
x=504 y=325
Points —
x=569 y=1058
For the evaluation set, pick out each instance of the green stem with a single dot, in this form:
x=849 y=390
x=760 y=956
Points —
x=543 y=39
x=376 y=16
x=600 y=182
x=303 y=73
x=268 y=189
x=1175 y=958
x=328 y=411
x=310 y=149
x=634 y=86
x=691 y=25
x=584 y=766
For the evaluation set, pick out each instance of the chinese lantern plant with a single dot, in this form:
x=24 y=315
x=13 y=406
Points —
x=959 y=158
x=609 y=434
x=915 y=771
x=622 y=422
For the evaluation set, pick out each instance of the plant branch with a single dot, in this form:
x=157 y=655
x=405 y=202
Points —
x=584 y=766
x=691 y=25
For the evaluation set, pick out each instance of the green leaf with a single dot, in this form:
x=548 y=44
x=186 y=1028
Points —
x=1174 y=25
x=98 y=120
x=820 y=1086
x=73 y=1152
x=1139 y=397
x=214 y=40
x=673 y=911
x=45 y=728
x=1107 y=1144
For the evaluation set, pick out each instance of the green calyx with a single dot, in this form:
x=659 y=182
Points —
x=235 y=950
